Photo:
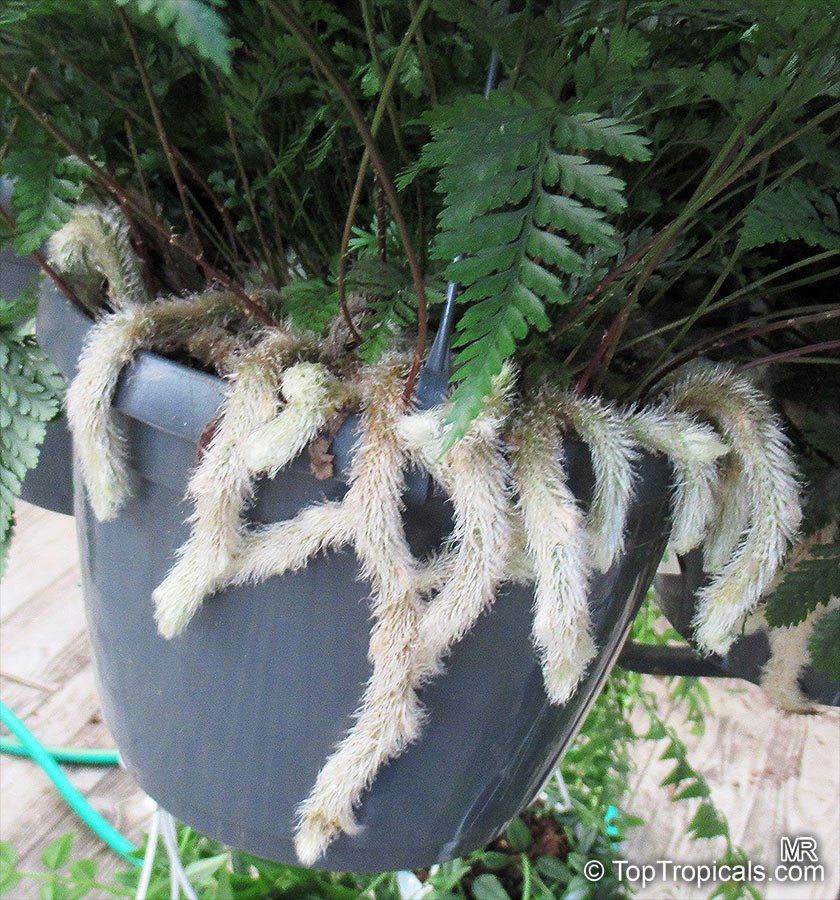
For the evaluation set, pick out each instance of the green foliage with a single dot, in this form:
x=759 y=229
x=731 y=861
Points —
x=47 y=183
x=824 y=645
x=309 y=303
x=488 y=887
x=819 y=462
x=686 y=784
x=15 y=11
x=518 y=835
x=797 y=210
x=513 y=204
x=386 y=317
x=62 y=879
x=196 y=24
x=811 y=583
x=390 y=304
x=548 y=193
x=58 y=853
x=30 y=395
x=9 y=877
x=544 y=190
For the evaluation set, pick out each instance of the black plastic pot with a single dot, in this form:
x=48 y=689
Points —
x=228 y=725
x=747 y=656
x=50 y=483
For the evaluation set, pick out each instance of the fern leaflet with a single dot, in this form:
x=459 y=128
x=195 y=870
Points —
x=798 y=210
x=310 y=304
x=813 y=582
x=390 y=307
x=196 y=24
x=46 y=184
x=824 y=645
x=30 y=395
x=513 y=205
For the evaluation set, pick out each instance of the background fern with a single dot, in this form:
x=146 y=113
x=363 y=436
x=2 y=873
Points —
x=30 y=395
x=798 y=210
x=824 y=645
x=196 y=24
x=310 y=304
x=48 y=182
x=813 y=582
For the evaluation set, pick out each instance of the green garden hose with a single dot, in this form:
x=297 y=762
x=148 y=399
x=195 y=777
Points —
x=79 y=756
x=34 y=749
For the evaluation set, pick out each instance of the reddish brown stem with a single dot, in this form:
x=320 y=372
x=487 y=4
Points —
x=606 y=349
x=423 y=55
x=13 y=127
x=249 y=199
x=300 y=29
x=236 y=241
x=611 y=334
x=608 y=279
x=788 y=354
x=141 y=249
x=344 y=256
x=782 y=142
x=380 y=221
x=743 y=332
x=107 y=180
x=275 y=219
x=135 y=158
x=619 y=270
x=164 y=141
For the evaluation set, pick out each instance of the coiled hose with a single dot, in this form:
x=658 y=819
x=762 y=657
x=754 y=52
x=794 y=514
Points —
x=28 y=745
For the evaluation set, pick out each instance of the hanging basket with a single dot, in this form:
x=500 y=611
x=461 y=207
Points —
x=748 y=657
x=227 y=725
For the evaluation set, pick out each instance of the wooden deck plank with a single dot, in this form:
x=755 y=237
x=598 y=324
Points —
x=34 y=636
x=771 y=773
x=43 y=548
x=43 y=642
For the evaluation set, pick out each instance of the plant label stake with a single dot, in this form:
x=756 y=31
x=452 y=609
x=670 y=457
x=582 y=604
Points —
x=433 y=384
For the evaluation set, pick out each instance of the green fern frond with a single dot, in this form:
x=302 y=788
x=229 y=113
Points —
x=824 y=646
x=310 y=304
x=391 y=304
x=577 y=175
x=798 y=210
x=820 y=432
x=46 y=184
x=196 y=24
x=322 y=148
x=589 y=131
x=514 y=203
x=812 y=583
x=30 y=395
x=15 y=11
x=387 y=317
x=20 y=310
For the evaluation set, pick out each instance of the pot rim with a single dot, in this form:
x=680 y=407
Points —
x=144 y=389
x=144 y=392
x=184 y=413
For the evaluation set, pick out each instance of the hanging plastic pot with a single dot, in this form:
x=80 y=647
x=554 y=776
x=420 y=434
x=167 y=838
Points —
x=748 y=655
x=227 y=725
x=50 y=484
